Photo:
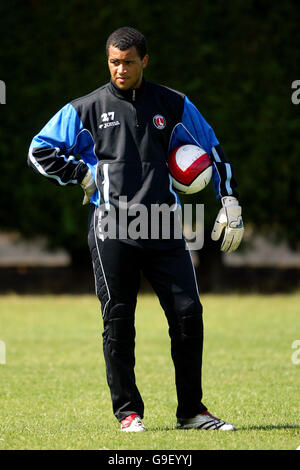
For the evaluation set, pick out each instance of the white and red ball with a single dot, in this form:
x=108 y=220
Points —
x=190 y=167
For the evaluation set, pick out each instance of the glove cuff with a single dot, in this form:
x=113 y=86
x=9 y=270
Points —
x=228 y=201
x=86 y=179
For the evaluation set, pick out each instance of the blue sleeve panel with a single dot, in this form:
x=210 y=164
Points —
x=194 y=129
x=63 y=149
x=61 y=131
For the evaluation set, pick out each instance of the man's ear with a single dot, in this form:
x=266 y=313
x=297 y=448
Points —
x=145 y=61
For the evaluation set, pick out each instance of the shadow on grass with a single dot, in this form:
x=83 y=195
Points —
x=265 y=427
x=163 y=428
x=268 y=427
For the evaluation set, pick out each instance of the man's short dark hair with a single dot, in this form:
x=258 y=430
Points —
x=126 y=37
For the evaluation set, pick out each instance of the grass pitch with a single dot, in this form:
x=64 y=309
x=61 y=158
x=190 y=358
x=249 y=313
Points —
x=53 y=388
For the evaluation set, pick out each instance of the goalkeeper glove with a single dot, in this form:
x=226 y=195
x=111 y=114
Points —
x=230 y=217
x=89 y=187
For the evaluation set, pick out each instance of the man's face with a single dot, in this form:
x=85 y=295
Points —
x=126 y=67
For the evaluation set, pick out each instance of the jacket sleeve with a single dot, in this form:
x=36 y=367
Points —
x=54 y=151
x=194 y=129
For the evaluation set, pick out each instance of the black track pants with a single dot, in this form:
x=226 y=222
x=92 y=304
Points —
x=168 y=267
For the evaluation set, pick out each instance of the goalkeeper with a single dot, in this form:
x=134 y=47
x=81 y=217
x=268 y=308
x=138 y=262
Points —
x=114 y=142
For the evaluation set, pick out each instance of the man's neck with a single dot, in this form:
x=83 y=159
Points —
x=129 y=93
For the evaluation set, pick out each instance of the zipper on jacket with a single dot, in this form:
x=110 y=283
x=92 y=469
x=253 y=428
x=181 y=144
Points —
x=135 y=112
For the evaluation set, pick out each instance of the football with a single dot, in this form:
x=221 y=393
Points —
x=190 y=168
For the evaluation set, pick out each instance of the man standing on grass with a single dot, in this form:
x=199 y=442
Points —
x=123 y=133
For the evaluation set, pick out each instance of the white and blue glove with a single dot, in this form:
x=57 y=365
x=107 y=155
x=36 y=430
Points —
x=230 y=218
x=89 y=187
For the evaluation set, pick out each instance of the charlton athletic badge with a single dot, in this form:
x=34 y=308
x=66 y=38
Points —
x=159 y=121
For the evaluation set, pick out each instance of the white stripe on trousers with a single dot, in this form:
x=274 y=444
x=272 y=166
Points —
x=101 y=264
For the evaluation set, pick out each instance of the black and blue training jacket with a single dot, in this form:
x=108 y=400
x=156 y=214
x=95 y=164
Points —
x=124 y=137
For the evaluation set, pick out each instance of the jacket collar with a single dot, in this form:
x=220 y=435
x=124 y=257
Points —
x=129 y=95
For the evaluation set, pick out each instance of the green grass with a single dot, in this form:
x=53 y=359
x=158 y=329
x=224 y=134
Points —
x=53 y=391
